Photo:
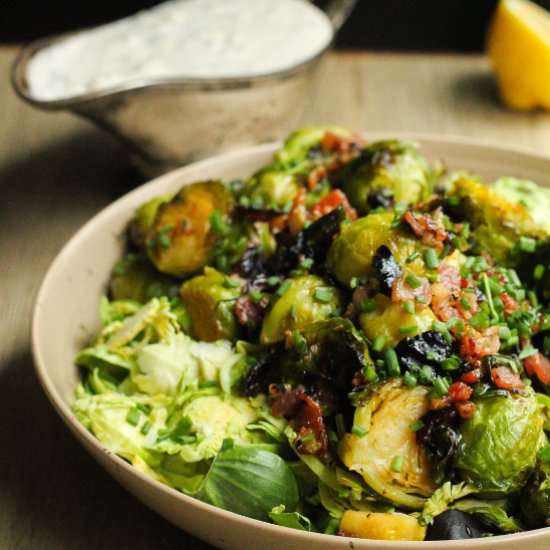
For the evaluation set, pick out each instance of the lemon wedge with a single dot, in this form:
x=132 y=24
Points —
x=518 y=43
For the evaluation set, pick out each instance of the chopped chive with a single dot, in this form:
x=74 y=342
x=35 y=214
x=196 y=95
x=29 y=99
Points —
x=532 y=297
x=164 y=240
x=299 y=341
x=306 y=263
x=369 y=372
x=309 y=438
x=146 y=427
x=409 y=379
x=408 y=329
x=359 y=431
x=411 y=258
x=332 y=437
x=430 y=258
x=273 y=280
x=465 y=304
x=217 y=224
x=416 y=426
x=354 y=281
x=256 y=295
x=378 y=343
x=228 y=282
x=512 y=341
x=432 y=277
x=513 y=277
x=451 y=363
x=426 y=373
x=408 y=306
x=284 y=287
x=421 y=299
x=413 y=281
x=465 y=233
x=441 y=386
x=527 y=244
x=392 y=362
x=494 y=285
x=323 y=295
x=293 y=314
x=396 y=464
x=133 y=416
x=538 y=272
x=368 y=305
x=489 y=295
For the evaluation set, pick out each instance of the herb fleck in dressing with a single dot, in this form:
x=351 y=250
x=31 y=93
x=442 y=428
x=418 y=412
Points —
x=182 y=38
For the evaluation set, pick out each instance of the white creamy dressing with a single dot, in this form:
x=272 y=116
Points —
x=182 y=38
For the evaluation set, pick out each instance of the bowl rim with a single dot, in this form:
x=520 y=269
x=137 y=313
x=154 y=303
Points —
x=64 y=411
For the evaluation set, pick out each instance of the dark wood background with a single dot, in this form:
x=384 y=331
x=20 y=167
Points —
x=445 y=25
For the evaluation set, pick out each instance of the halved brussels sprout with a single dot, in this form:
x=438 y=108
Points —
x=381 y=526
x=500 y=443
x=134 y=278
x=297 y=146
x=535 y=497
x=144 y=218
x=306 y=300
x=395 y=167
x=389 y=318
x=181 y=237
x=498 y=223
x=209 y=302
x=388 y=456
x=352 y=252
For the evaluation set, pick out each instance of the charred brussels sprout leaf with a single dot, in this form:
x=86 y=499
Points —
x=440 y=437
x=500 y=443
x=313 y=242
x=134 y=278
x=209 y=302
x=428 y=348
x=535 y=498
x=455 y=525
x=352 y=252
x=492 y=513
x=181 y=238
x=386 y=414
x=386 y=269
x=303 y=301
x=394 y=166
x=498 y=224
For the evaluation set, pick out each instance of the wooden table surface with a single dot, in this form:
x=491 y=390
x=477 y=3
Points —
x=56 y=171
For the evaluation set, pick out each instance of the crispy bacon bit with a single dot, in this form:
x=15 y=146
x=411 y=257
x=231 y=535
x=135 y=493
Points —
x=478 y=344
x=422 y=296
x=330 y=202
x=248 y=312
x=315 y=176
x=471 y=377
x=465 y=409
x=430 y=229
x=460 y=392
x=538 y=365
x=505 y=379
x=510 y=305
x=311 y=432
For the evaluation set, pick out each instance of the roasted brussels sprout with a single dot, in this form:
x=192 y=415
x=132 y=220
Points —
x=535 y=497
x=500 y=443
x=181 y=238
x=455 y=525
x=298 y=145
x=352 y=252
x=388 y=319
x=134 y=278
x=305 y=300
x=381 y=526
x=387 y=455
x=498 y=224
x=209 y=301
x=393 y=167
x=144 y=218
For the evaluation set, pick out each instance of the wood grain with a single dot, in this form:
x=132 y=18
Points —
x=56 y=171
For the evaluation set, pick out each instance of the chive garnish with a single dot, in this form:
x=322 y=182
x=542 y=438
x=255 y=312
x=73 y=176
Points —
x=396 y=464
x=392 y=362
x=284 y=287
x=359 y=431
x=378 y=343
x=408 y=306
x=430 y=258
x=323 y=295
x=413 y=281
x=416 y=425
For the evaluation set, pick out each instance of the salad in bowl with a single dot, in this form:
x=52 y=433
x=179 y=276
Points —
x=350 y=341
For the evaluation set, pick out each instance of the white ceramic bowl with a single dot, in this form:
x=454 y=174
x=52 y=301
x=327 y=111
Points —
x=66 y=318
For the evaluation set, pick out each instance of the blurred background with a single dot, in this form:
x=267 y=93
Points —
x=426 y=25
